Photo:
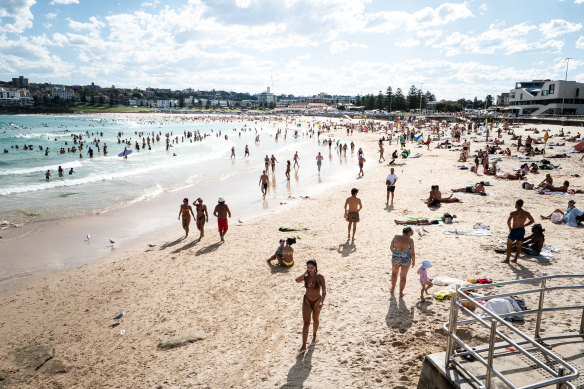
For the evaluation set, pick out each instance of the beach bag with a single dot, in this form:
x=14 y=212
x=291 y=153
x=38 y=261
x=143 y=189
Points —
x=527 y=185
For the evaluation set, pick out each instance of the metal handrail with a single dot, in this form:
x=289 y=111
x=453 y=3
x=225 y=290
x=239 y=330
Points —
x=565 y=373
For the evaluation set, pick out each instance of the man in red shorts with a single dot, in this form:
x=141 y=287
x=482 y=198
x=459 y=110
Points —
x=221 y=212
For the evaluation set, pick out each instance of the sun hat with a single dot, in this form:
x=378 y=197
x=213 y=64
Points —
x=221 y=200
x=426 y=264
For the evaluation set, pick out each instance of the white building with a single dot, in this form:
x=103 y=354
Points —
x=266 y=98
x=9 y=97
x=62 y=93
x=166 y=103
x=547 y=97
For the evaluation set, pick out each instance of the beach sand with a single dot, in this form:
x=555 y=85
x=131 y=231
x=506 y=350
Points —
x=250 y=313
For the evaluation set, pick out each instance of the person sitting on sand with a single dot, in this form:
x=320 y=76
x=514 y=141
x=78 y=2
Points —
x=284 y=259
x=476 y=188
x=548 y=180
x=507 y=152
x=424 y=280
x=533 y=168
x=572 y=217
x=436 y=198
x=313 y=300
x=416 y=222
x=563 y=188
x=403 y=256
x=462 y=157
x=532 y=245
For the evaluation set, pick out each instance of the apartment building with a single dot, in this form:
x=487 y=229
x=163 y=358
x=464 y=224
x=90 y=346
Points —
x=547 y=97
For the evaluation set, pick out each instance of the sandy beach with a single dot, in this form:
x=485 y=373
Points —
x=248 y=314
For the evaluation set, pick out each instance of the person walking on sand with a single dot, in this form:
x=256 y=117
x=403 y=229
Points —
x=221 y=212
x=361 y=162
x=288 y=170
x=403 y=256
x=264 y=182
x=296 y=159
x=233 y=152
x=517 y=223
x=319 y=159
x=424 y=279
x=246 y=153
x=313 y=300
x=202 y=216
x=352 y=207
x=390 y=182
x=381 y=150
x=185 y=212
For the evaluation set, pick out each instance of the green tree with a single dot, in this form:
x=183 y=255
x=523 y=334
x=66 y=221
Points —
x=429 y=96
x=181 y=100
x=358 y=101
x=380 y=101
x=489 y=101
x=272 y=105
x=413 y=98
x=399 y=101
x=369 y=102
x=389 y=98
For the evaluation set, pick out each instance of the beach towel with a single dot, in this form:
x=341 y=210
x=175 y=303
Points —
x=480 y=193
x=547 y=252
x=473 y=232
x=549 y=193
x=418 y=137
x=416 y=155
x=292 y=228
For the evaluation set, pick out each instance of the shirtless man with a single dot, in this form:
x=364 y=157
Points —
x=246 y=154
x=185 y=212
x=563 y=188
x=267 y=163
x=296 y=158
x=476 y=188
x=202 y=216
x=221 y=212
x=233 y=152
x=361 y=162
x=273 y=160
x=319 y=159
x=264 y=182
x=533 y=244
x=48 y=175
x=517 y=223
x=352 y=207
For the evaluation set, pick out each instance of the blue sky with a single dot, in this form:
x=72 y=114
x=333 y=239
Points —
x=303 y=47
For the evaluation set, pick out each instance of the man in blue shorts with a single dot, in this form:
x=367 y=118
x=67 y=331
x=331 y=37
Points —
x=518 y=220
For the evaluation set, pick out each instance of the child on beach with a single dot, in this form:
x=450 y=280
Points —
x=424 y=280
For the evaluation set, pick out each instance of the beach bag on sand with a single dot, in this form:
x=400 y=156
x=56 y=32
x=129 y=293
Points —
x=527 y=185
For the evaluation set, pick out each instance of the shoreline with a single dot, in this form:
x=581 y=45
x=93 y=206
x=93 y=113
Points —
x=249 y=313
x=61 y=241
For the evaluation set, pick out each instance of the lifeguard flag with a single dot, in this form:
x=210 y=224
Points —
x=365 y=119
x=545 y=137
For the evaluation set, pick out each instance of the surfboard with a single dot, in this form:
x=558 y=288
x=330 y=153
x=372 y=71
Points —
x=123 y=153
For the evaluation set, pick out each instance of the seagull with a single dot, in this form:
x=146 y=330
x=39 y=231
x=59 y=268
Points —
x=119 y=315
x=151 y=245
x=424 y=229
x=239 y=221
x=420 y=233
x=112 y=242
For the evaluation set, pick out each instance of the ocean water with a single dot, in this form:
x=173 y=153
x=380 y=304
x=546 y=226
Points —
x=108 y=181
x=113 y=197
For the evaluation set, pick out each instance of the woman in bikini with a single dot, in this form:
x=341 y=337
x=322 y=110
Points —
x=288 y=171
x=313 y=300
x=185 y=211
x=403 y=256
x=202 y=216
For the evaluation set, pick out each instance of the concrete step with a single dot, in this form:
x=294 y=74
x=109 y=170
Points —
x=516 y=367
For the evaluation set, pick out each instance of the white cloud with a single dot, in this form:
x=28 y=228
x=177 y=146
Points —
x=579 y=1
x=92 y=25
x=152 y=3
x=243 y=3
x=408 y=43
x=580 y=42
x=557 y=27
x=19 y=12
x=483 y=8
x=51 y=15
x=340 y=46
x=64 y=2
